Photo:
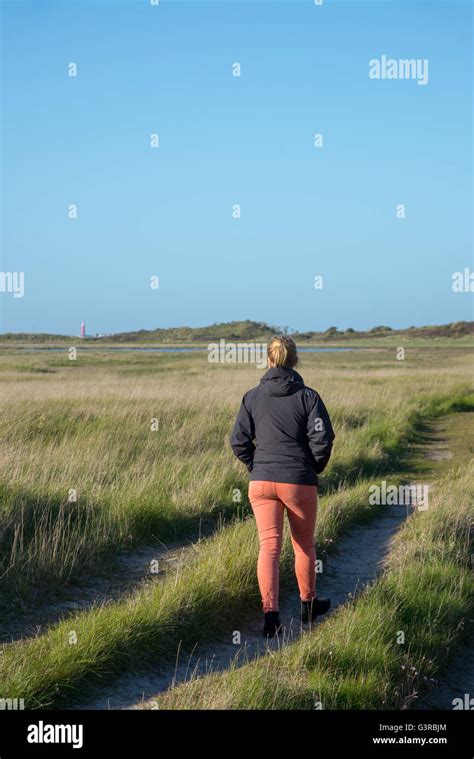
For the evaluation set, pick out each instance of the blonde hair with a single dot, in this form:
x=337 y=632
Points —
x=281 y=351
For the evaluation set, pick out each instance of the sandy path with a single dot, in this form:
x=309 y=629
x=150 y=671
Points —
x=356 y=562
x=131 y=570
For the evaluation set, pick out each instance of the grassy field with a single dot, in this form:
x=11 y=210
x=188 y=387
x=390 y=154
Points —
x=116 y=449
x=378 y=651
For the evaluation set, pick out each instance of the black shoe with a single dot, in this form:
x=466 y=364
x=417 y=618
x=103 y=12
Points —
x=315 y=608
x=272 y=624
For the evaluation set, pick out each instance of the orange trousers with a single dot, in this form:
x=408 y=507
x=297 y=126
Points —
x=269 y=500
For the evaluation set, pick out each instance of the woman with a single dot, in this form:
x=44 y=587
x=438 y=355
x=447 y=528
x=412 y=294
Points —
x=293 y=440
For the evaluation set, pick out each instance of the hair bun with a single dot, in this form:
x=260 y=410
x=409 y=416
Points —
x=281 y=351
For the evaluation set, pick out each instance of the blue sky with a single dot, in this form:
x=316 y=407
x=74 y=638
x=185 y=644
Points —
x=226 y=140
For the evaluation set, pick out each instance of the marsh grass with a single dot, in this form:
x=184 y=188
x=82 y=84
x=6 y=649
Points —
x=211 y=592
x=86 y=427
x=355 y=659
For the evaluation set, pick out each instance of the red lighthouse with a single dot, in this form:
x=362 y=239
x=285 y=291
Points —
x=83 y=330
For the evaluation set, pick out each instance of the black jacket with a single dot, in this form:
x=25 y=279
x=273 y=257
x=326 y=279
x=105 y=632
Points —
x=290 y=426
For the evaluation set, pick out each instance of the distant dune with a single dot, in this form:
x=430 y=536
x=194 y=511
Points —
x=249 y=330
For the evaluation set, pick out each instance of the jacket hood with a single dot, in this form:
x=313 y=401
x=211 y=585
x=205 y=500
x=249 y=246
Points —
x=281 y=380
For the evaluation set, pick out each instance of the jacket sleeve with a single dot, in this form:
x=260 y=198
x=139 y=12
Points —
x=243 y=436
x=320 y=433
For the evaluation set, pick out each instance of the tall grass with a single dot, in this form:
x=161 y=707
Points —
x=381 y=650
x=211 y=594
x=83 y=430
x=87 y=428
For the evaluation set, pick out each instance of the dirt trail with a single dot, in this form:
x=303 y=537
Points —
x=356 y=562
x=131 y=569
x=452 y=438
